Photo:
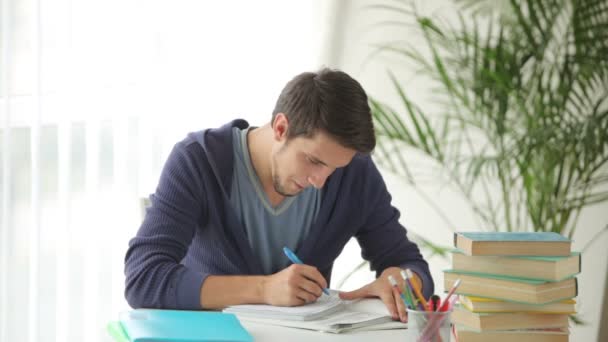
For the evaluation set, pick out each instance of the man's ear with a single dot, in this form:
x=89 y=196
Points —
x=280 y=127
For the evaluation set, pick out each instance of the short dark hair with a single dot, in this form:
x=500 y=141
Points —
x=331 y=101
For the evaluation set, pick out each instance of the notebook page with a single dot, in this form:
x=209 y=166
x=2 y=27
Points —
x=335 y=323
x=324 y=305
x=347 y=318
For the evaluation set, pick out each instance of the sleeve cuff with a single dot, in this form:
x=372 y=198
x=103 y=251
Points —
x=189 y=289
x=428 y=286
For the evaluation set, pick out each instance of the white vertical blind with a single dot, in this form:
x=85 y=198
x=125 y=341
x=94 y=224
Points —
x=120 y=206
x=35 y=173
x=5 y=24
x=92 y=228
x=93 y=96
x=62 y=232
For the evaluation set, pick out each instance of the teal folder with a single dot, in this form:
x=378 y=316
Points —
x=145 y=325
x=117 y=332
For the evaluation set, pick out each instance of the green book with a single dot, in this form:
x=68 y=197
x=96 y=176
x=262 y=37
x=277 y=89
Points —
x=512 y=243
x=511 y=288
x=553 y=268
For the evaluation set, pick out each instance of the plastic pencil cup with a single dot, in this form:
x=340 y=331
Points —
x=428 y=326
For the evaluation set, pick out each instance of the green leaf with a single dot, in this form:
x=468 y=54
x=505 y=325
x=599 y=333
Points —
x=427 y=23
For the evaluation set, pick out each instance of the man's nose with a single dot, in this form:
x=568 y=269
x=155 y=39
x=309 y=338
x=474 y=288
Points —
x=314 y=181
x=318 y=178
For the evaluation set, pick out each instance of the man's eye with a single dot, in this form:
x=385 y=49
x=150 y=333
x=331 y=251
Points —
x=314 y=162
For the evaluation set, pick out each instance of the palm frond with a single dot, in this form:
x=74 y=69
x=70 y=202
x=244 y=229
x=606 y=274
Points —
x=525 y=107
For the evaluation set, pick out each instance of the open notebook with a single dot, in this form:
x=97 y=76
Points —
x=327 y=314
x=324 y=306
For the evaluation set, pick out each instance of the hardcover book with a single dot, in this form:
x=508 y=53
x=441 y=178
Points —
x=478 y=304
x=507 y=321
x=529 y=267
x=511 y=289
x=512 y=243
x=526 y=335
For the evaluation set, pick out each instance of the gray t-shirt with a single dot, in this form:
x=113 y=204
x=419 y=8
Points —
x=268 y=228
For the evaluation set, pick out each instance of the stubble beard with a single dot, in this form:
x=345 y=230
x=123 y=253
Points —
x=276 y=183
x=276 y=180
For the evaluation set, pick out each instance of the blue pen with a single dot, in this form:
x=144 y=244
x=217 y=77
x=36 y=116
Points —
x=294 y=258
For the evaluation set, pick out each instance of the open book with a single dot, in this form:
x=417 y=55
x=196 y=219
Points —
x=327 y=314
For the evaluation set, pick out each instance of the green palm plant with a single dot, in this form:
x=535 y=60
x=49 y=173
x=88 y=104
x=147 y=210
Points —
x=524 y=110
x=522 y=130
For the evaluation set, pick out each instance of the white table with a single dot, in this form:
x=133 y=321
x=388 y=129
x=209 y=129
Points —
x=264 y=332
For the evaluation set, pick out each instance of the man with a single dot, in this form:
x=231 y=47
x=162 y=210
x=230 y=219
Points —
x=229 y=200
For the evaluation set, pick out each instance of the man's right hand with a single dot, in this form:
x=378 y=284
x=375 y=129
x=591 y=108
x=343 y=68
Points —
x=295 y=285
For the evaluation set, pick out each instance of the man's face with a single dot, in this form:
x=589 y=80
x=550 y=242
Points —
x=301 y=162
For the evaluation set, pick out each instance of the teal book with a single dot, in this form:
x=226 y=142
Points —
x=144 y=325
x=513 y=243
x=553 y=268
x=510 y=288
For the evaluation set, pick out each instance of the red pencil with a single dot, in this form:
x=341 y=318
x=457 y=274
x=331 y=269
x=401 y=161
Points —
x=446 y=302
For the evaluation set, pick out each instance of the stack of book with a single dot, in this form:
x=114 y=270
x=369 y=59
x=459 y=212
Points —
x=514 y=286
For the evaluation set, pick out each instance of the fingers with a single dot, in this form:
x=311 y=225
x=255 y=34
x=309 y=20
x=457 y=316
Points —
x=304 y=283
x=389 y=301
x=308 y=286
x=306 y=297
x=298 y=292
x=358 y=293
x=401 y=310
x=313 y=274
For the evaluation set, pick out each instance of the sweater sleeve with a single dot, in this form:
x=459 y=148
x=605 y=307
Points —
x=383 y=240
x=154 y=276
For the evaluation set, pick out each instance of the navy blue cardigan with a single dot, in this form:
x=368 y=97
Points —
x=190 y=230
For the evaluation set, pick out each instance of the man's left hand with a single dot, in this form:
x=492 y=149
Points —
x=382 y=288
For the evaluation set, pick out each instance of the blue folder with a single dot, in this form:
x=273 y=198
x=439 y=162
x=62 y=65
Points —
x=145 y=325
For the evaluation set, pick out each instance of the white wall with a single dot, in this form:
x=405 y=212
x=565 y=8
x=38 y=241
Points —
x=353 y=38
